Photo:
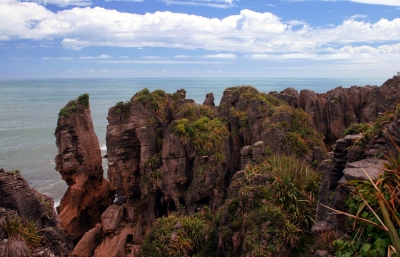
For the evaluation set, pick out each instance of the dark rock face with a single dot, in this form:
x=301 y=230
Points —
x=157 y=170
x=351 y=161
x=209 y=100
x=160 y=172
x=334 y=111
x=80 y=165
x=17 y=199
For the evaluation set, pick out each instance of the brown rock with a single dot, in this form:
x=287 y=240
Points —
x=88 y=243
x=111 y=218
x=80 y=165
x=114 y=246
x=209 y=100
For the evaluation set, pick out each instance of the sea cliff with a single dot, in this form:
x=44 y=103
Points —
x=202 y=180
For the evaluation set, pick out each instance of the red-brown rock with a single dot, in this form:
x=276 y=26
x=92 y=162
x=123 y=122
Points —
x=80 y=165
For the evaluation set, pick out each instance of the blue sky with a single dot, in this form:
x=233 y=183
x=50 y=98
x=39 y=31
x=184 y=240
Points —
x=199 y=38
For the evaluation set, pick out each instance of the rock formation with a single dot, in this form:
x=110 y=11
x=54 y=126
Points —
x=334 y=111
x=24 y=206
x=80 y=165
x=354 y=156
x=167 y=154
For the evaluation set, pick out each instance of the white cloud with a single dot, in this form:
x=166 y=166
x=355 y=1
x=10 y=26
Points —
x=382 y=2
x=209 y=3
x=221 y=56
x=258 y=35
x=182 y=56
x=63 y=3
x=102 y=56
x=358 y=16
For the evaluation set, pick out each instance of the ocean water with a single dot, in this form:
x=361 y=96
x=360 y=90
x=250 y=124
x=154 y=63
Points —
x=29 y=111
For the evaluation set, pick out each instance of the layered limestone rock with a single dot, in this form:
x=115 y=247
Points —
x=355 y=157
x=167 y=154
x=25 y=206
x=80 y=165
x=334 y=111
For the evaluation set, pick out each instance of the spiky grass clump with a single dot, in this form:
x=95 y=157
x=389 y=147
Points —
x=16 y=247
x=282 y=209
x=16 y=227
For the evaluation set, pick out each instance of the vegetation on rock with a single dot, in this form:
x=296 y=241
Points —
x=21 y=232
x=75 y=106
x=267 y=218
x=192 y=235
x=301 y=136
x=374 y=206
x=205 y=135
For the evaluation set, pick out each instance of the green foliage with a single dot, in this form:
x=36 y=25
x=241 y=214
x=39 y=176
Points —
x=16 y=172
x=84 y=100
x=294 y=187
x=372 y=130
x=153 y=101
x=123 y=108
x=301 y=136
x=250 y=93
x=75 y=106
x=16 y=227
x=173 y=236
x=204 y=134
x=282 y=210
x=374 y=206
x=152 y=169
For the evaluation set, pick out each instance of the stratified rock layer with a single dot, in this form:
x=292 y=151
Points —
x=80 y=165
x=18 y=200
x=334 y=111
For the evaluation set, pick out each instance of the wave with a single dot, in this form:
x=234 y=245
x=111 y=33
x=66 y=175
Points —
x=103 y=148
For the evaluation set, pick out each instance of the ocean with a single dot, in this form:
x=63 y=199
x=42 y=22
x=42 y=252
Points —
x=29 y=111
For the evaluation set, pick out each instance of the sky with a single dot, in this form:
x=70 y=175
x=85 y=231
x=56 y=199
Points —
x=199 y=38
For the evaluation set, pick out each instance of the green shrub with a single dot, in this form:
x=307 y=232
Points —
x=123 y=108
x=301 y=136
x=173 y=236
x=75 y=106
x=374 y=205
x=205 y=135
x=153 y=101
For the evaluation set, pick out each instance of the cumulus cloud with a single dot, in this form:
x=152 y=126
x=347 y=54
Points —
x=208 y=3
x=253 y=33
x=382 y=2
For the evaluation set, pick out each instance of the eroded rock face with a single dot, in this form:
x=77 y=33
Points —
x=80 y=165
x=18 y=200
x=158 y=171
x=334 y=111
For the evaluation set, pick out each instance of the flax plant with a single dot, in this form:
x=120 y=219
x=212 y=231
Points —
x=381 y=199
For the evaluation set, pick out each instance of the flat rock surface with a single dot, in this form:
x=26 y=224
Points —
x=373 y=167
